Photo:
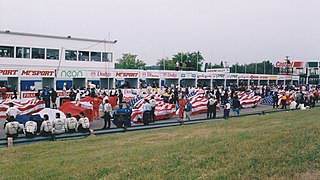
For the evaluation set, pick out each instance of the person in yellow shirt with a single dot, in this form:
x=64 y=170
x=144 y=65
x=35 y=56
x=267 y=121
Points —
x=284 y=101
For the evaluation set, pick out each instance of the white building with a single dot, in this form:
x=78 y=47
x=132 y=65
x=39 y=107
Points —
x=44 y=60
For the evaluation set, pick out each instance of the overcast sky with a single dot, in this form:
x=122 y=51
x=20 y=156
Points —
x=229 y=30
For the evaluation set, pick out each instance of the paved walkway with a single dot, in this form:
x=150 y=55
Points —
x=98 y=124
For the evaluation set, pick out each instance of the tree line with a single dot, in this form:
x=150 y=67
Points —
x=193 y=61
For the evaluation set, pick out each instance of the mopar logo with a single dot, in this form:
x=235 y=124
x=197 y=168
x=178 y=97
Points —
x=71 y=74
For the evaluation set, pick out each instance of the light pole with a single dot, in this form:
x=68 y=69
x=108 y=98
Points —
x=245 y=68
x=256 y=69
x=197 y=61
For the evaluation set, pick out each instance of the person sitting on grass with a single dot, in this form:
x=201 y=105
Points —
x=83 y=123
x=72 y=123
x=30 y=128
x=46 y=126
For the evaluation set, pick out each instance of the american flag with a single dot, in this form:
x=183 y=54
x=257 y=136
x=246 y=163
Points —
x=247 y=99
x=269 y=100
x=198 y=101
x=162 y=111
x=26 y=107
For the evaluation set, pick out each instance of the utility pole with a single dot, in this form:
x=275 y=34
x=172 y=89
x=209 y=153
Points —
x=287 y=64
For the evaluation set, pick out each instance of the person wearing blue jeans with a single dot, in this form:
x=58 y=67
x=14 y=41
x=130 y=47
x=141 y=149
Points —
x=236 y=106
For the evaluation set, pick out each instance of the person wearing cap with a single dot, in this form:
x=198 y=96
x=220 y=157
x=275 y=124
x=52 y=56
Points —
x=30 y=128
x=72 y=123
x=83 y=123
x=153 y=103
x=46 y=126
x=60 y=125
x=12 y=128
x=187 y=111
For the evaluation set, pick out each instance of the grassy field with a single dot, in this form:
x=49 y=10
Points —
x=282 y=145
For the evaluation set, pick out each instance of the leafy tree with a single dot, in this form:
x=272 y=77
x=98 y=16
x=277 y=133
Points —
x=253 y=68
x=189 y=61
x=129 y=61
x=166 y=64
x=215 y=66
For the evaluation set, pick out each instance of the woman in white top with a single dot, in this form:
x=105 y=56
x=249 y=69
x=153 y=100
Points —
x=78 y=98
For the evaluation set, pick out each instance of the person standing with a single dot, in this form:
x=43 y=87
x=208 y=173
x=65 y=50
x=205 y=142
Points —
x=212 y=105
x=45 y=97
x=78 y=98
x=64 y=89
x=15 y=92
x=53 y=97
x=146 y=112
x=107 y=118
x=284 y=101
x=120 y=96
x=275 y=100
x=226 y=110
x=95 y=105
x=187 y=111
x=153 y=103
x=236 y=106
x=181 y=103
x=12 y=111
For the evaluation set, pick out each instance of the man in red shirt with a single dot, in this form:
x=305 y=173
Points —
x=181 y=102
x=96 y=103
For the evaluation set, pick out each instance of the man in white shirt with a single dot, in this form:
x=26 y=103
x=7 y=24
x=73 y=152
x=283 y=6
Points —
x=153 y=103
x=107 y=108
x=30 y=128
x=32 y=87
x=12 y=111
x=46 y=126
x=146 y=112
x=60 y=125
x=72 y=123
x=12 y=128
x=83 y=123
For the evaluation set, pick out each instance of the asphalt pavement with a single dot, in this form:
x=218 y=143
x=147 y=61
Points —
x=98 y=123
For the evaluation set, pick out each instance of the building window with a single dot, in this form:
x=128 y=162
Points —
x=23 y=52
x=96 y=56
x=6 y=51
x=83 y=56
x=53 y=54
x=71 y=55
x=37 y=53
x=107 y=57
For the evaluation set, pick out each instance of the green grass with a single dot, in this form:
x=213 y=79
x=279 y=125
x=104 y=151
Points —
x=281 y=145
